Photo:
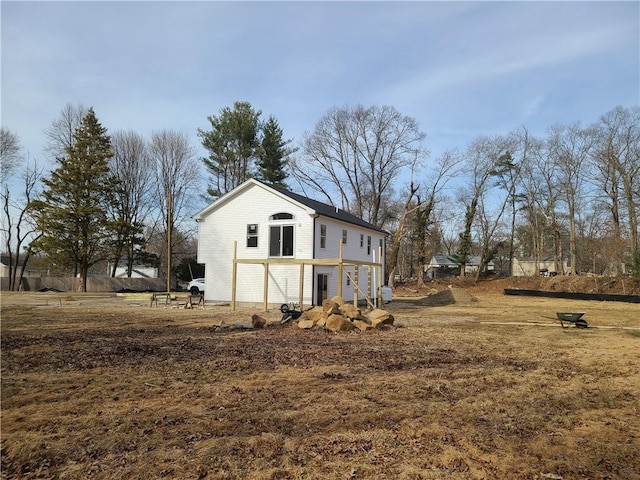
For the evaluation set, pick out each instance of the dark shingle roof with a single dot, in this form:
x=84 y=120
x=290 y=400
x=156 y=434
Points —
x=326 y=210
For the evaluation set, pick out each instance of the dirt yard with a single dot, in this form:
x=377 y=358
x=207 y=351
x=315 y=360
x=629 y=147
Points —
x=468 y=384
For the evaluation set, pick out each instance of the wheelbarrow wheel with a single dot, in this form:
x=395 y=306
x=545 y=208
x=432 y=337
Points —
x=284 y=308
x=581 y=324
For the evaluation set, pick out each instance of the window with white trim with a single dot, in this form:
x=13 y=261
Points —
x=323 y=236
x=281 y=216
x=281 y=235
x=344 y=237
x=281 y=240
x=252 y=235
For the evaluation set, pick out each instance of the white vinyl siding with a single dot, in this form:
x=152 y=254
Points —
x=227 y=223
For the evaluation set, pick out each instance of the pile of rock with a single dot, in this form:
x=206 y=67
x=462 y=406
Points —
x=337 y=315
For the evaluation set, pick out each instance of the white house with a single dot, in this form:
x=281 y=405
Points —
x=441 y=266
x=530 y=267
x=291 y=241
x=138 y=271
x=29 y=271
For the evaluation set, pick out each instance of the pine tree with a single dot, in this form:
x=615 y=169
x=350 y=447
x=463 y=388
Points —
x=232 y=143
x=72 y=213
x=272 y=159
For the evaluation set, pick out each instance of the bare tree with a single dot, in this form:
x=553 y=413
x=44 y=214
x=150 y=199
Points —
x=18 y=227
x=392 y=261
x=420 y=213
x=533 y=199
x=355 y=155
x=132 y=166
x=60 y=134
x=486 y=156
x=617 y=158
x=10 y=154
x=177 y=179
x=569 y=146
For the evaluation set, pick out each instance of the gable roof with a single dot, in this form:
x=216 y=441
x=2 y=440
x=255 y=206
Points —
x=313 y=206
x=444 y=261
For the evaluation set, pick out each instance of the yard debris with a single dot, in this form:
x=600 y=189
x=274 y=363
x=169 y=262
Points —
x=336 y=315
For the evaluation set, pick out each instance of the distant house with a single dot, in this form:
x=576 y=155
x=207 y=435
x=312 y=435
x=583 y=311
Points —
x=260 y=243
x=442 y=266
x=29 y=271
x=529 y=267
x=138 y=271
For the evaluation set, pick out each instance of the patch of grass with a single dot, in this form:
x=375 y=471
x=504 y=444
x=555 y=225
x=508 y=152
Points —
x=153 y=393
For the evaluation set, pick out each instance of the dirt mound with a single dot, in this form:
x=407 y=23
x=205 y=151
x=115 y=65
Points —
x=448 y=297
x=560 y=283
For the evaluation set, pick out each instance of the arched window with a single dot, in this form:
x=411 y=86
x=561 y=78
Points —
x=281 y=216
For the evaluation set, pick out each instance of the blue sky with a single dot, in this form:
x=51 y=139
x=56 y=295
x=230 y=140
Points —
x=461 y=69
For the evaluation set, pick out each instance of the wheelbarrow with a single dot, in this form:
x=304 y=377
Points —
x=572 y=317
x=288 y=313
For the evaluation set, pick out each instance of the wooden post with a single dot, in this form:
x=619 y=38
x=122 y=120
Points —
x=266 y=286
x=340 y=265
x=233 y=277
x=355 y=285
x=369 y=282
x=380 y=302
x=301 y=287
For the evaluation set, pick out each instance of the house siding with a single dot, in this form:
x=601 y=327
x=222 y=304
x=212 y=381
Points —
x=225 y=222
x=529 y=268
x=228 y=224
x=350 y=251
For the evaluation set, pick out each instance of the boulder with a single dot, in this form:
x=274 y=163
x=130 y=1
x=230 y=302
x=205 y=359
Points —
x=338 y=323
x=306 y=324
x=314 y=314
x=351 y=312
x=257 y=321
x=379 y=317
x=362 y=325
x=338 y=300
x=330 y=307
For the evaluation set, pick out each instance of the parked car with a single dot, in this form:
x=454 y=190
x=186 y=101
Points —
x=196 y=286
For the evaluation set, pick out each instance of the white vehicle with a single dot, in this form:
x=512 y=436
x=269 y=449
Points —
x=196 y=286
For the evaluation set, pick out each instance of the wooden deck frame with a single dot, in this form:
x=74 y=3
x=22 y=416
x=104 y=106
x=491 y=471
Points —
x=339 y=262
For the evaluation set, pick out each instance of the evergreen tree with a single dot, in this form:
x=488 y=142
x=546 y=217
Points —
x=233 y=144
x=272 y=160
x=72 y=212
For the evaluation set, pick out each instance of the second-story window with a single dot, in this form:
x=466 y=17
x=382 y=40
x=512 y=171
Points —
x=281 y=241
x=344 y=237
x=368 y=244
x=252 y=235
x=281 y=235
x=323 y=236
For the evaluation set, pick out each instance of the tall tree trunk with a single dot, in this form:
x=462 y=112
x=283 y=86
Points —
x=397 y=238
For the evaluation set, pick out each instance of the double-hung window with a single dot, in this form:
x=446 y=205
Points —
x=252 y=235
